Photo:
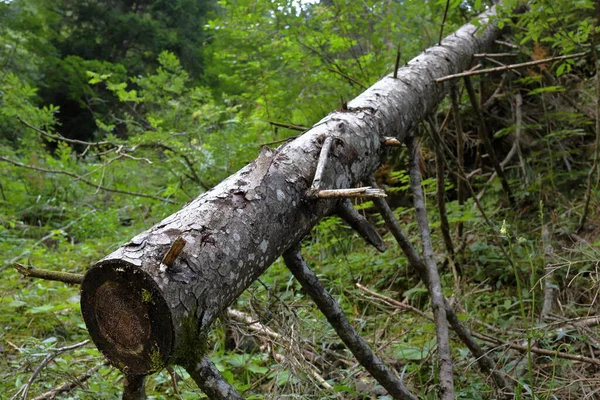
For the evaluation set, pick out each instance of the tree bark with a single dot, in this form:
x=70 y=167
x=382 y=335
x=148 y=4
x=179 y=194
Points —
x=149 y=304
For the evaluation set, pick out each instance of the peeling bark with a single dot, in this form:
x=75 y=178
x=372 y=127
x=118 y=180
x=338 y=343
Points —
x=143 y=314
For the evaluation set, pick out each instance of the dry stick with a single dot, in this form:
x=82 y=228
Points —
x=483 y=135
x=24 y=390
x=441 y=186
x=316 y=184
x=594 y=168
x=485 y=363
x=433 y=282
x=367 y=191
x=491 y=55
x=507 y=44
x=360 y=224
x=211 y=382
x=394 y=303
x=59 y=276
x=134 y=387
x=255 y=326
x=508 y=67
x=347 y=77
x=460 y=151
x=397 y=62
x=336 y=317
x=89 y=183
x=537 y=350
x=443 y=22
x=70 y=385
x=289 y=126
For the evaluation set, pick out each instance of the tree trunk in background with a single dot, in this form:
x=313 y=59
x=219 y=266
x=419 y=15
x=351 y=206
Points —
x=145 y=309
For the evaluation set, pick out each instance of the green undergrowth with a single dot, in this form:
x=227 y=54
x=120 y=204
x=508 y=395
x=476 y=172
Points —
x=161 y=128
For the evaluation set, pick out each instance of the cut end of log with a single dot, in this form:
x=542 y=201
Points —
x=127 y=318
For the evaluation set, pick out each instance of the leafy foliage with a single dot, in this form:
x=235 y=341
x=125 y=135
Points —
x=113 y=114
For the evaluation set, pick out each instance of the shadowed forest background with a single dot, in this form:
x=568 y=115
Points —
x=114 y=114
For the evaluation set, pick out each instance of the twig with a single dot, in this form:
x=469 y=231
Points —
x=323 y=155
x=260 y=328
x=491 y=55
x=537 y=350
x=443 y=22
x=336 y=317
x=70 y=385
x=48 y=236
x=483 y=360
x=211 y=382
x=24 y=390
x=483 y=135
x=62 y=138
x=289 y=126
x=394 y=303
x=89 y=183
x=433 y=282
x=48 y=275
x=347 y=77
x=397 y=62
x=354 y=192
x=507 y=44
x=508 y=67
x=360 y=224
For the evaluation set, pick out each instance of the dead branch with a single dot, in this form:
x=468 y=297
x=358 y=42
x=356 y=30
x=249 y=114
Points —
x=89 y=183
x=70 y=385
x=509 y=67
x=336 y=317
x=24 y=390
x=360 y=224
x=433 y=282
x=211 y=382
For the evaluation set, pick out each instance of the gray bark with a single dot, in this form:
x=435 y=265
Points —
x=143 y=314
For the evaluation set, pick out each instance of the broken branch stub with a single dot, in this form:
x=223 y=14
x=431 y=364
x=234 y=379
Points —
x=143 y=317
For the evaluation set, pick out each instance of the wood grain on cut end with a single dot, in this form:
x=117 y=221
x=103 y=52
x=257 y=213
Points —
x=127 y=317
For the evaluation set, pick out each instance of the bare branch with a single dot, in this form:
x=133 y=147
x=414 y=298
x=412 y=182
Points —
x=360 y=224
x=433 y=282
x=209 y=379
x=354 y=192
x=89 y=183
x=48 y=275
x=336 y=317
x=508 y=67
x=24 y=390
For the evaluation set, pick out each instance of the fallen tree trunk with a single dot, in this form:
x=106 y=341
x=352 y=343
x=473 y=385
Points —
x=151 y=302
